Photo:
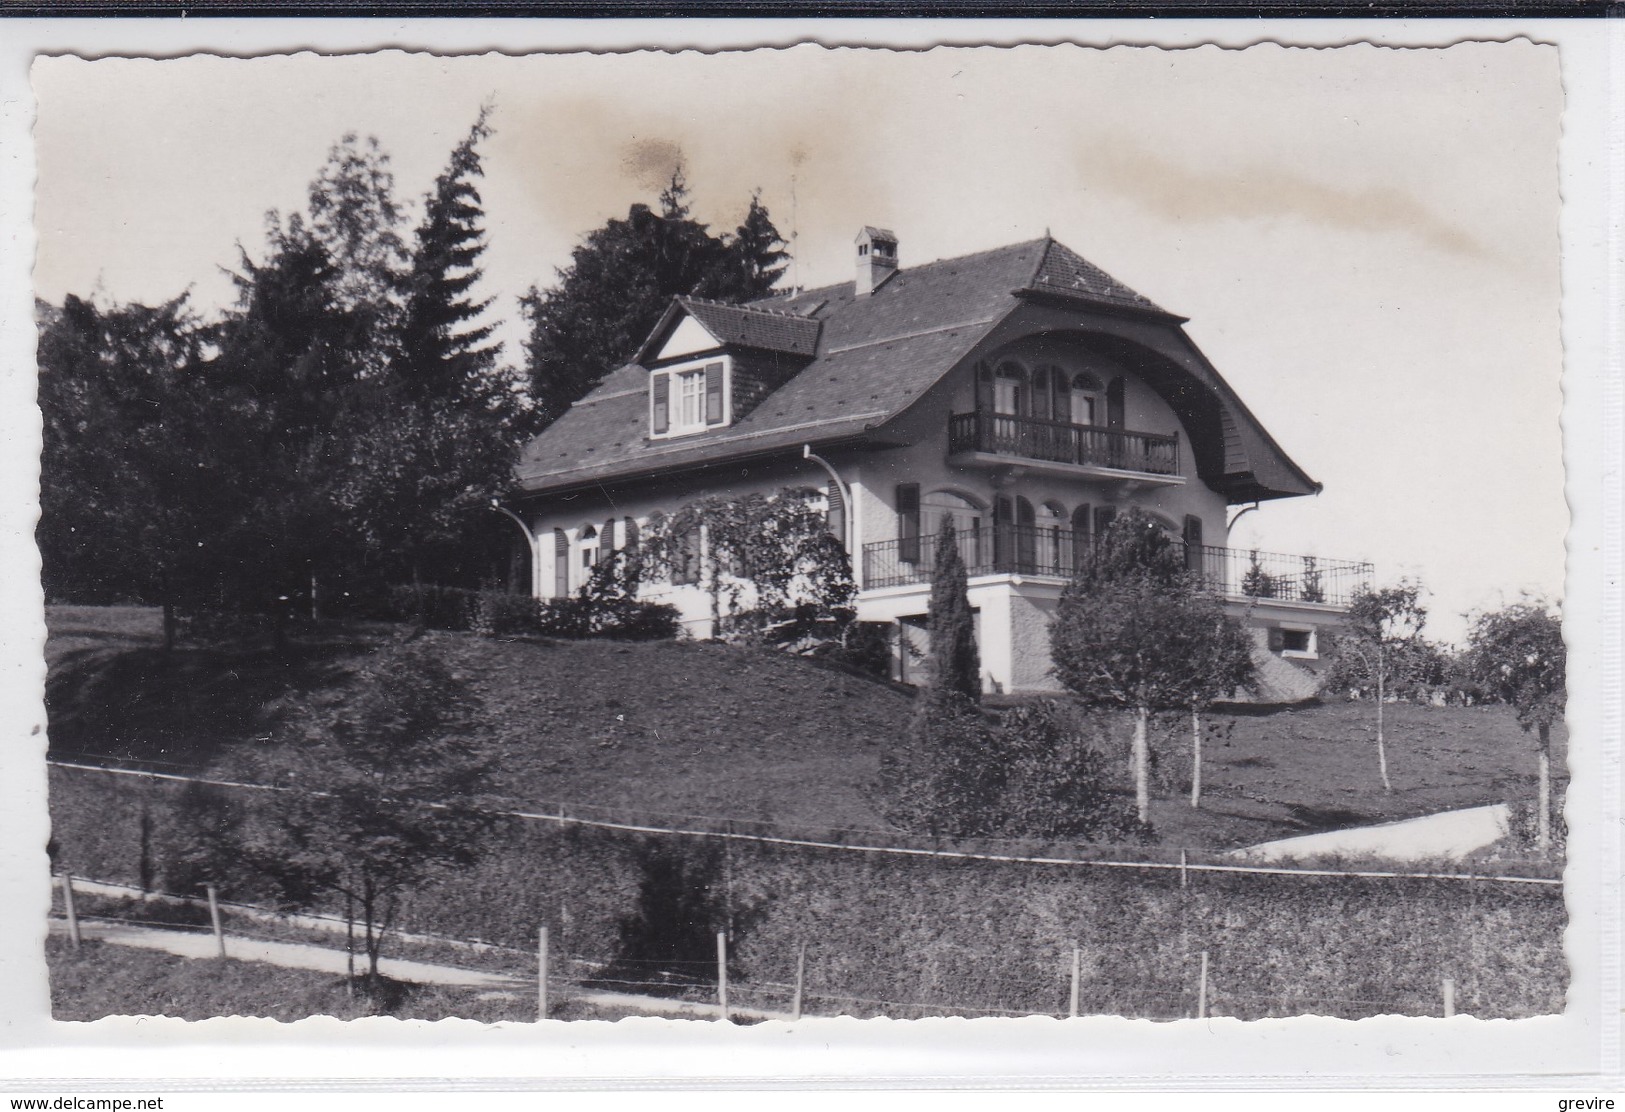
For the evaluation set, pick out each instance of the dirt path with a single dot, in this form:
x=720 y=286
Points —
x=298 y=955
x=292 y=955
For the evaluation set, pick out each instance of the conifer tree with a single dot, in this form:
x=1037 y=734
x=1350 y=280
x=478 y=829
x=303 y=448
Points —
x=620 y=281
x=445 y=353
x=955 y=663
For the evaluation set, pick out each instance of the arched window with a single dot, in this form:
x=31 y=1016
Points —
x=1082 y=536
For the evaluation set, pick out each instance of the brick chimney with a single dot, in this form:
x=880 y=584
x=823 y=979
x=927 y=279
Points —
x=877 y=259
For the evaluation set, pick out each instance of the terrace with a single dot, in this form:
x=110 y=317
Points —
x=1047 y=552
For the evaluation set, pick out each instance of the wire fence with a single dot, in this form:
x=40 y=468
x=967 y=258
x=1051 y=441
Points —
x=848 y=840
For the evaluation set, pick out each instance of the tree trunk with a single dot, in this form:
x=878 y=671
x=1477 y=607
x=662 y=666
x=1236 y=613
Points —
x=1543 y=812
x=1142 y=763
x=368 y=912
x=1382 y=751
x=1196 y=757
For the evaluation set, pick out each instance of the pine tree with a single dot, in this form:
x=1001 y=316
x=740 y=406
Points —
x=939 y=777
x=445 y=356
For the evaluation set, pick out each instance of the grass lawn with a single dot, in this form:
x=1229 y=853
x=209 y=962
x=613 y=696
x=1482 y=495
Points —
x=676 y=728
x=101 y=979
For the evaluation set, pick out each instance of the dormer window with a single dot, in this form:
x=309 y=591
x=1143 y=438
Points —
x=690 y=397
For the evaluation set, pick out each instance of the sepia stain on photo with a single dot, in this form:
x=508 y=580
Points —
x=807 y=532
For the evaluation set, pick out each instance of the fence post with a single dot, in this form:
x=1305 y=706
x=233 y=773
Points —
x=801 y=970
x=214 y=920
x=1077 y=971
x=1201 y=990
x=722 y=974
x=1182 y=881
x=67 y=904
x=1449 y=997
x=541 y=973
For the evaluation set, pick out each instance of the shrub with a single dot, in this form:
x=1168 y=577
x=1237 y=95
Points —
x=1056 y=778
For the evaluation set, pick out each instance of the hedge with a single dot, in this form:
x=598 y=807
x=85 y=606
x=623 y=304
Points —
x=923 y=931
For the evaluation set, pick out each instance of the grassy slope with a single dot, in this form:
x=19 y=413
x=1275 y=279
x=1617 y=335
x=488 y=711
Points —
x=685 y=728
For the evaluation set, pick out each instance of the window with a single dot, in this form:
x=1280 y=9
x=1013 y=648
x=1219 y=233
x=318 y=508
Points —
x=1295 y=641
x=685 y=562
x=1007 y=388
x=589 y=549
x=689 y=399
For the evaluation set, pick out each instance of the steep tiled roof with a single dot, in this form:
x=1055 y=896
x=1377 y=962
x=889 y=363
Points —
x=1064 y=271
x=875 y=356
x=754 y=326
x=870 y=357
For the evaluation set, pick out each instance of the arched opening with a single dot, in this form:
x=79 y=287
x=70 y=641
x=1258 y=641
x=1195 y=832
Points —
x=948 y=507
x=1054 y=539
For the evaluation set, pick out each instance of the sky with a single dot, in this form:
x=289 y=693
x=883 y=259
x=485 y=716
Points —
x=1365 y=239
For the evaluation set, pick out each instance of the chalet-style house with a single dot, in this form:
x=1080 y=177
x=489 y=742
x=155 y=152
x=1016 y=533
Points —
x=1021 y=392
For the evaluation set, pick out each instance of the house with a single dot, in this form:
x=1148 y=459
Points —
x=1021 y=393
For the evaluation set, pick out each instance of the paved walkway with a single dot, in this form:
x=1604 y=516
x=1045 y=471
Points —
x=1451 y=834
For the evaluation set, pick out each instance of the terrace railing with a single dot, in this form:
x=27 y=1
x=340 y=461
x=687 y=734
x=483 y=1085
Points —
x=1059 y=553
x=1003 y=434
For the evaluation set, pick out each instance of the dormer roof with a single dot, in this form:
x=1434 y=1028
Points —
x=758 y=327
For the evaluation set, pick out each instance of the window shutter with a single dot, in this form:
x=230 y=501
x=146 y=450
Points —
x=713 y=394
x=1193 y=543
x=606 y=542
x=908 y=522
x=561 y=564
x=837 y=512
x=1114 y=403
x=1277 y=640
x=630 y=530
x=660 y=388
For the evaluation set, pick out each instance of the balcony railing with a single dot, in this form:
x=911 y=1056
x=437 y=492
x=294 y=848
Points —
x=1002 y=434
x=1056 y=552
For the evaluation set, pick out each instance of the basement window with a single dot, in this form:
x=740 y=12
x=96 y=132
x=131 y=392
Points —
x=1296 y=641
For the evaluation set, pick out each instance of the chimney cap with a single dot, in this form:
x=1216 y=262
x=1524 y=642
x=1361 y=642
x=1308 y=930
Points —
x=876 y=235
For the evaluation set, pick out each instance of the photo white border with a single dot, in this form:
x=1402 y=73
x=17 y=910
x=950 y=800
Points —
x=1581 y=1047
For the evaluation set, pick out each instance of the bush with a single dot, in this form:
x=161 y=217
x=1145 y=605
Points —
x=448 y=608
x=863 y=646
x=503 y=614
x=1056 y=777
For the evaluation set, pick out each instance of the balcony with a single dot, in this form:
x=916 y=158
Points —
x=1091 y=447
x=1056 y=553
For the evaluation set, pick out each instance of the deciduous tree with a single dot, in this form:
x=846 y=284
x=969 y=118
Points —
x=1517 y=655
x=1381 y=648
x=377 y=792
x=1135 y=630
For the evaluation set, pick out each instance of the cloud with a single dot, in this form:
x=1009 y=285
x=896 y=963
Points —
x=1265 y=192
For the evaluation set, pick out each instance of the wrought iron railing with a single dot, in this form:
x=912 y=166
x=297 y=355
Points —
x=1058 y=552
x=1002 y=434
